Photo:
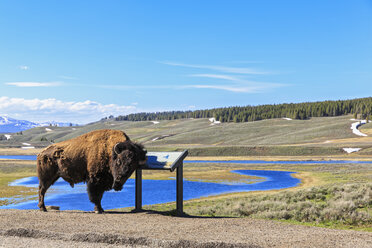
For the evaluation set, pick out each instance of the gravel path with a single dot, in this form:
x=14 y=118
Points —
x=21 y=228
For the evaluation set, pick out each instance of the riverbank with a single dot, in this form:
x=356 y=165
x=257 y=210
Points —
x=221 y=156
x=348 y=157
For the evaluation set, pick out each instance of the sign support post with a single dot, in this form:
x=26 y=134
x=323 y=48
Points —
x=138 y=190
x=162 y=161
x=180 y=189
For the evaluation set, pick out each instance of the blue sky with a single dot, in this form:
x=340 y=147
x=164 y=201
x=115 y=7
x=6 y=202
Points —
x=78 y=61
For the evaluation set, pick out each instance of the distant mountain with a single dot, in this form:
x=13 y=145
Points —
x=10 y=125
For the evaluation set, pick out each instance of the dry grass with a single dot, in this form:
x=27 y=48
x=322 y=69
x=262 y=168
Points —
x=313 y=202
x=11 y=170
x=19 y=151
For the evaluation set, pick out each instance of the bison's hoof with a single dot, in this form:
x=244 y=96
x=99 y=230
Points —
x=43 y=209
x=98 y=210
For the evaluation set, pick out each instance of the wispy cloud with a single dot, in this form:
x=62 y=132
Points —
x=34 y=84
x=235 y=84
x=24 y=67
x=135 y=87
x=238 y=70
x=68 y=77
x=39 y=110
x=239 y=86
x=258 y=88
x=244 y=62
x=216 y=76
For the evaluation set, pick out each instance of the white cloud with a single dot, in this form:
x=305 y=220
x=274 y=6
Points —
x=40 y=110
x=238 y=70
x=24 y=67
x=34 y=84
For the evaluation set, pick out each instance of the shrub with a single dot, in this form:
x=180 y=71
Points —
x=346 y=204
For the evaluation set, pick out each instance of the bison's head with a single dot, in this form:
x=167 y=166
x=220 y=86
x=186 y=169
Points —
x=126 y=158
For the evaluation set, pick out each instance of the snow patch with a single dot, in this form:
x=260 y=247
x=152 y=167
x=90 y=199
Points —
x=48 y=130
x=7 y=136
x=155 y=122
x=4 y=120
x=26 y=144
x=355 y=125
x=27 y=147
x=350 y=150
x=288 y=119
x=214 y=122
x=161 y=137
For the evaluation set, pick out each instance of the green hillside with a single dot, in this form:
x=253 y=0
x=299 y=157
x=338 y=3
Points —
x=326 y=135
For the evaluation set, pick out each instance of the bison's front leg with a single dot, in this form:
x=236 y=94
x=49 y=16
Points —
x=95 y=192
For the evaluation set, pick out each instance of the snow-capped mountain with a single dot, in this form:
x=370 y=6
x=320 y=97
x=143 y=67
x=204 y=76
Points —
x=10 y=125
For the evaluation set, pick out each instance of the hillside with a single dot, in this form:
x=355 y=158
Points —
x=326 y=135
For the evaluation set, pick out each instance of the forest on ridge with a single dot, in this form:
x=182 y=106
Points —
x=360 y=108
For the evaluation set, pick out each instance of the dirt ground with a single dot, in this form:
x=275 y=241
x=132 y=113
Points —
x=32 y=228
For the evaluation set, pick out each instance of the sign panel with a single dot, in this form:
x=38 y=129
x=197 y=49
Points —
x=164 y=160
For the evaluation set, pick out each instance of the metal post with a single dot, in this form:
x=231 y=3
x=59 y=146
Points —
x=180 y=189
x=138 y=190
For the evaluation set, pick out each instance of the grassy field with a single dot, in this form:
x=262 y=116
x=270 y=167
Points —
x=11 y=170
x=317 y=136
x=334 y=195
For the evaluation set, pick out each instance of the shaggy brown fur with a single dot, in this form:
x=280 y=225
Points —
x=93 y=158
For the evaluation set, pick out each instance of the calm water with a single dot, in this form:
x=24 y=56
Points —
x=18 y=157
x=154 y=191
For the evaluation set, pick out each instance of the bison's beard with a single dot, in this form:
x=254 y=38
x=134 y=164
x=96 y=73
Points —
x=118 y=184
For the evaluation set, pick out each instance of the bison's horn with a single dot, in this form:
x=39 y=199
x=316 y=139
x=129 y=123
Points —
x=116 y=150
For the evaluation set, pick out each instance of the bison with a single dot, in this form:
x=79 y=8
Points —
x=104 y=159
